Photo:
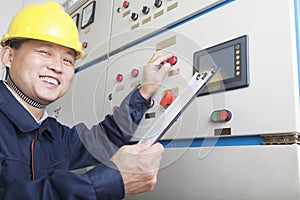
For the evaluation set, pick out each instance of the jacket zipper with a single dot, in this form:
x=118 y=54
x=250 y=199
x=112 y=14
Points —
x=32 y=156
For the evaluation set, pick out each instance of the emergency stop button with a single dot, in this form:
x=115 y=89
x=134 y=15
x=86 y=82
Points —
x=167 y=99
x=221 y=115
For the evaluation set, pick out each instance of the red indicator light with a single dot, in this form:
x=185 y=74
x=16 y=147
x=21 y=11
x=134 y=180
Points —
x=84 y=45
x=125 y=4
x=134 y=72
x=172 y=60
x=119 y=77
x=221 y=115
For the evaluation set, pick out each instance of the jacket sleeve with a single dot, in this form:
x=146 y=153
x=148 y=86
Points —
x=104 y=139
x=103 y=182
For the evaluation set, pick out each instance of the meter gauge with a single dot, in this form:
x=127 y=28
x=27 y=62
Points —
x=88 y=14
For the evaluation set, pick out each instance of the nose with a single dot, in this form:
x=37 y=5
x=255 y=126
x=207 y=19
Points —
x=56 y=67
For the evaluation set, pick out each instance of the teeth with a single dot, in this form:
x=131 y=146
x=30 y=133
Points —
x=50 y=80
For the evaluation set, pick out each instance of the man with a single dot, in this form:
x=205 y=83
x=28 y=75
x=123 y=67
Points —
x=36 y=152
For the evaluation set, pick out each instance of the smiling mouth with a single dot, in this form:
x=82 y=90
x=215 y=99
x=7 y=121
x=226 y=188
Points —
x=50 y=80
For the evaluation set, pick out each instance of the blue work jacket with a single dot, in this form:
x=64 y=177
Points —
x=36 y=159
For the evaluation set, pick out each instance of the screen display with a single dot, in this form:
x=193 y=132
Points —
x=220 y=59
x=232 y=58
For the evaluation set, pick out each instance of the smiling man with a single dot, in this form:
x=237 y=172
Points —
x=37 y=153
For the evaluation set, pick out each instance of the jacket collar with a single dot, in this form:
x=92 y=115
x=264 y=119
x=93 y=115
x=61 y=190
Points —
x=18 y=115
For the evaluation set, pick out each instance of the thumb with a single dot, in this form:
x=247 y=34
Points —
x=165 y=68
x=140 y=147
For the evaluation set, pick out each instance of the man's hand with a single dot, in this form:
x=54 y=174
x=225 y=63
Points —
x=138 y=166
x=154 y=73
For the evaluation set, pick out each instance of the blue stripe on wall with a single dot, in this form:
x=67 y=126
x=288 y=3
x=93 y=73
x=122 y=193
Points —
x=296 y=10
x=218 y=141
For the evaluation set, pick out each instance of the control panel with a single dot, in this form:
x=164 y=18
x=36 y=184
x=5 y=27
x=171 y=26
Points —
x=203 y=35
x=93 y=21
x=254 y=96
x=135 y=20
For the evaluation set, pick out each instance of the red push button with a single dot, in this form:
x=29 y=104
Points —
x=172 y=60
x=119 y=77
x=221 y=115
x=134 y=72
x=167 y=99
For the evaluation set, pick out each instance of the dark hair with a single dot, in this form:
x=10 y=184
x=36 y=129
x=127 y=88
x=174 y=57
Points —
x=16 y=43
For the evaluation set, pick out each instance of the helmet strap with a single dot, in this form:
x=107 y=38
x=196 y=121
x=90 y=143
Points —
x=24 y=96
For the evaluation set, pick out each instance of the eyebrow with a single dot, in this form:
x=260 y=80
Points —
x=70 y=51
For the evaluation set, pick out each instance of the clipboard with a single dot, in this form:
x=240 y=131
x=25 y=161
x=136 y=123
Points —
x=177 y=107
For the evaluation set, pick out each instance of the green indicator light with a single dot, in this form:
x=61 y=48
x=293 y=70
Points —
x=214 y=116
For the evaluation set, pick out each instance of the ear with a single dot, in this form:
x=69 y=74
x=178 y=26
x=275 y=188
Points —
x=7 y=56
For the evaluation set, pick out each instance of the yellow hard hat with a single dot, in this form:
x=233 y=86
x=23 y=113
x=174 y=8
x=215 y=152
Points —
x=46 y=21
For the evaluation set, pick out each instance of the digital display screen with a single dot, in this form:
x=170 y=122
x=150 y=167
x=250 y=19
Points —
x=232 y=58
x=88 y=14
x=220 y=59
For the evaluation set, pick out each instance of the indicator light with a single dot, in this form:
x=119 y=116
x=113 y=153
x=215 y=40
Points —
x=134 y=72
x=84 y=45
x=125 y=4
x=119 y=77
x=221 y=115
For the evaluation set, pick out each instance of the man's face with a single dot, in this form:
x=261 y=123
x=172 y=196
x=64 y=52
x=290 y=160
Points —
x=42 y=70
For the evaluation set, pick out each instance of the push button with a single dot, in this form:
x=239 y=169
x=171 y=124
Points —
x=221 y=115
x=172 y=60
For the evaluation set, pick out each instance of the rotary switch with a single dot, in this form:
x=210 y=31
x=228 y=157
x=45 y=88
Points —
x=145 y=10
x=158 y=3
x=134 y=16
x=167 y=99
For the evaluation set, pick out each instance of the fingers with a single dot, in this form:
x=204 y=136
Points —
x=138 y=166
x=154 y=73
x=155 y=148
x=160 y=59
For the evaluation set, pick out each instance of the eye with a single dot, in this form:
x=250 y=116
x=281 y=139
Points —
x=44 y=52
x=68 y=61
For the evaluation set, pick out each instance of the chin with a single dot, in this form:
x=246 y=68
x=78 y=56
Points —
x=48 y=99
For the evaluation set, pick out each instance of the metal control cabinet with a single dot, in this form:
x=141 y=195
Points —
x=205 y=157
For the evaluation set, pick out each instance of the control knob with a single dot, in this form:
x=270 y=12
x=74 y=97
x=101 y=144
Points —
x=134 y=16
x=158 y=3
x=145 y=10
